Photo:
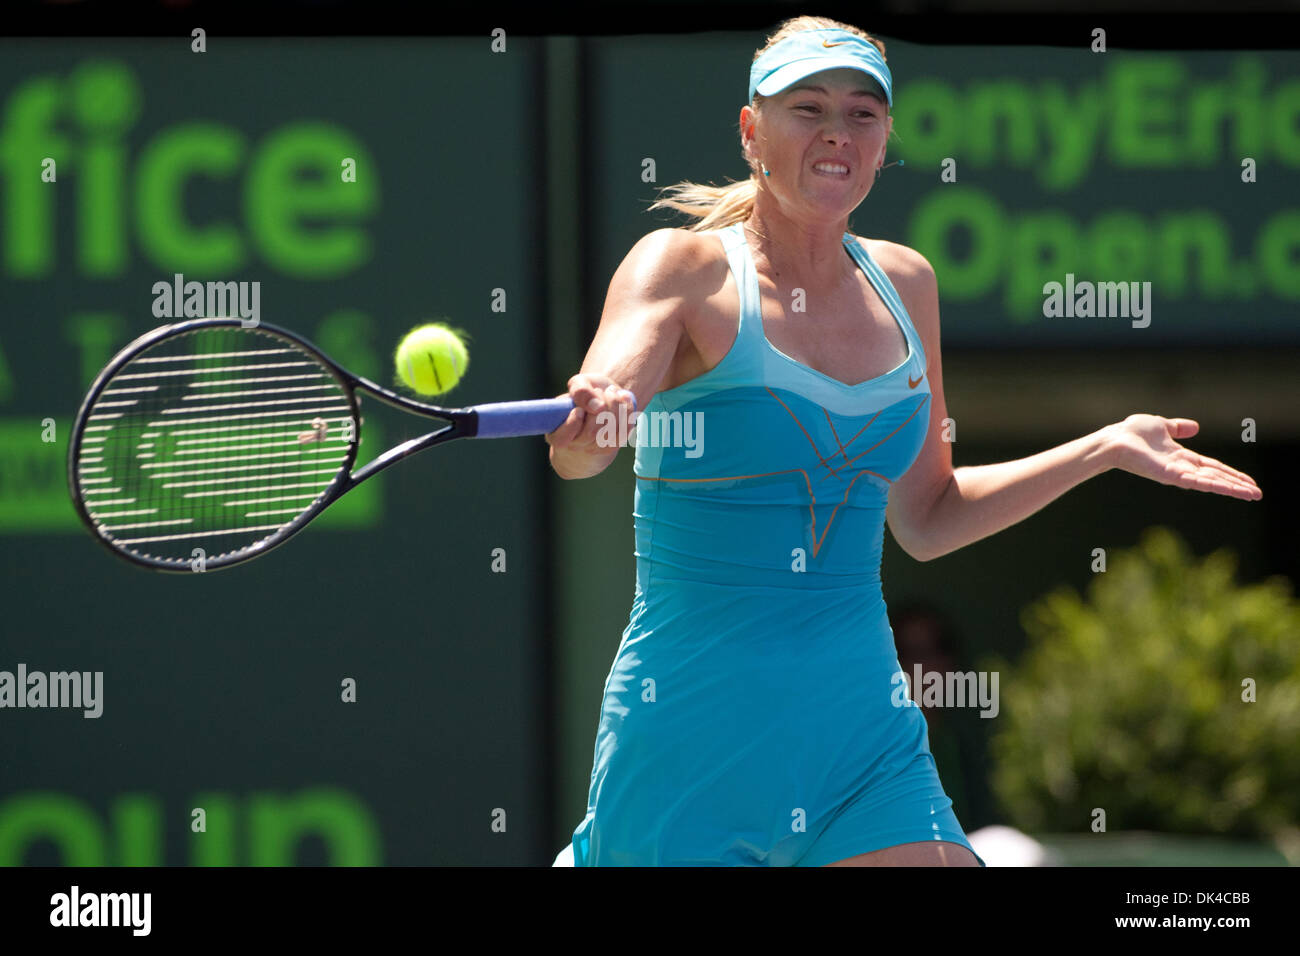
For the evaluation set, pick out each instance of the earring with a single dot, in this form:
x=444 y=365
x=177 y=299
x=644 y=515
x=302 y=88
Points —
x=897 y=162
x=766 y=171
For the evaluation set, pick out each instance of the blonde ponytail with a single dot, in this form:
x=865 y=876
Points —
x=715 y=206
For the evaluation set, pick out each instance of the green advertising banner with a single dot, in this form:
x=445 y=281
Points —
x=1169 y=176
x=319 y=704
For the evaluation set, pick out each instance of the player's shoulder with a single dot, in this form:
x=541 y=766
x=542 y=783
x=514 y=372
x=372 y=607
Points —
x=678 y=257
x=900 y=262
x=913 y=276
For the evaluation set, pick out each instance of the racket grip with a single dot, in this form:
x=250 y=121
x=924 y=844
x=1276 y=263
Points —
x=513 y=419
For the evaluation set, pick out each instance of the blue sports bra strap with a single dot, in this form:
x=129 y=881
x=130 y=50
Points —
x=889 y=295
x=746 y=276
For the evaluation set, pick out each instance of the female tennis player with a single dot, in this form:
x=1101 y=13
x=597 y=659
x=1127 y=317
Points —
x=750 y=715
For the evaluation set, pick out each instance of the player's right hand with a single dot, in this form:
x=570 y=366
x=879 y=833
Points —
x=595 y=397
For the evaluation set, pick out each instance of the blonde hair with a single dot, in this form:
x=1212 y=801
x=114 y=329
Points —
x=717 y=206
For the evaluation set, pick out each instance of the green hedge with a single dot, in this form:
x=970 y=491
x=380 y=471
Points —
x=1131 y=700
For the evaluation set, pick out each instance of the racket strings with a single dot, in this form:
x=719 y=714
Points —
x=210 y=442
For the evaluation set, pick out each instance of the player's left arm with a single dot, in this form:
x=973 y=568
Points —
x=935 y=509
x=912 y=497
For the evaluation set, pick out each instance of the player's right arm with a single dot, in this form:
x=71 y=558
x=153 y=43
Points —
x=642 y=330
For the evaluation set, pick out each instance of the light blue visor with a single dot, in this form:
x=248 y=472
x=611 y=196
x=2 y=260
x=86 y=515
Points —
x=811 y=51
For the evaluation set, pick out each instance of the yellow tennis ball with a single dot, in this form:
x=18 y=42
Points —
x=431 y=359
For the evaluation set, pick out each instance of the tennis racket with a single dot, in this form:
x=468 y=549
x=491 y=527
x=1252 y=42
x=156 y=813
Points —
x=205 y=444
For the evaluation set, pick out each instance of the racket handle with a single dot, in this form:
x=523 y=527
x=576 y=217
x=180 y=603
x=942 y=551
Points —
x=513 y=419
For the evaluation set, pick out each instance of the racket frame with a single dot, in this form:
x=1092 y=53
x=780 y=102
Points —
x=462 y=423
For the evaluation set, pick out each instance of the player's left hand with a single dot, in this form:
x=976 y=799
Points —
x=1147 y=446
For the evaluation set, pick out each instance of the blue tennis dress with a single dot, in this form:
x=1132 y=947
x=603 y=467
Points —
x=752 y=714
